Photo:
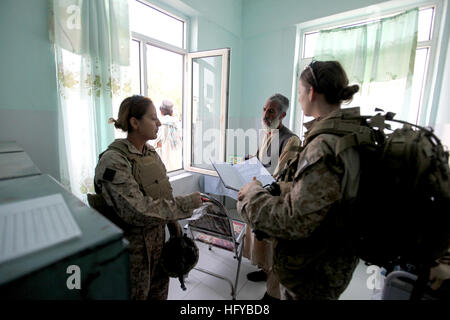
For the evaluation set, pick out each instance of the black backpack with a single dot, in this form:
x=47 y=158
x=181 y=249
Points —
x=402 y=212
x=401 y=216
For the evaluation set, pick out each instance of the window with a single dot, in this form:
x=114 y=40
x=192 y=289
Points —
x=196 y=84
x=383 y=94
x=157 y=58
x=207 y=117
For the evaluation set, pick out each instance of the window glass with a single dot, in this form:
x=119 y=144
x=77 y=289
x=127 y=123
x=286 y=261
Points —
x=388 y=96
x=165 y=83
x=309 y=44
x=425 y=24
x=206 y=102
x=156 y=24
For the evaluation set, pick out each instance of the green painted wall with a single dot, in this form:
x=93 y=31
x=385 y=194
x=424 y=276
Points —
x=28 y=105
x=27 y=77
x=28 y=108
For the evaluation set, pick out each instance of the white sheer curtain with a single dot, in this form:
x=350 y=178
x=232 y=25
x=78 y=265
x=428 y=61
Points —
x=91 y=42
x=380 y=57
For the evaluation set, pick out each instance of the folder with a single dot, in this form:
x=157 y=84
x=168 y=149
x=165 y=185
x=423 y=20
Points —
x=234 y=177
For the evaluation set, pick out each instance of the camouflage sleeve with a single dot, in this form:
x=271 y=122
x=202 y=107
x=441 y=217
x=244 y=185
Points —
x=287 y=154
x=299 y=212
x=122 y=192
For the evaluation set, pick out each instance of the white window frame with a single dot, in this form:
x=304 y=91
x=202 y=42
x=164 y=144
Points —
x=187 y=88
x=225 y=53
x=374 y=13
x=146 y=40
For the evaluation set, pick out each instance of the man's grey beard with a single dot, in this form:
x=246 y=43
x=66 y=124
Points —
x=273 y=125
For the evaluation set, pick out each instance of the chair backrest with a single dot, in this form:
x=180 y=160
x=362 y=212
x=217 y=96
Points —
x=398 y=286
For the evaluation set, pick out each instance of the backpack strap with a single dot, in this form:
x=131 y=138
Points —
x=351 y=131
x=362 y=137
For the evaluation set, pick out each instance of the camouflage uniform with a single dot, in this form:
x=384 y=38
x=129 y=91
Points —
x=260 y=252
x=309 y=259
x=136 y=185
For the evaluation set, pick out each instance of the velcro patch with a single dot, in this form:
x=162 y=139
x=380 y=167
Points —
x=109 y=174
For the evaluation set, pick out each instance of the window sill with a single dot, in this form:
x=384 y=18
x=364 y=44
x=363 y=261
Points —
x=179 y=174
x=184 y=182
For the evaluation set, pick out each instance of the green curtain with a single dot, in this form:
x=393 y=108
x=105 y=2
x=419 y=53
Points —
x=378 y=51
x=92 y=44
x=375 y=53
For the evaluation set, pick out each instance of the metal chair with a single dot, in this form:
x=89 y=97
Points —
x=212 y=224
x=400 y=285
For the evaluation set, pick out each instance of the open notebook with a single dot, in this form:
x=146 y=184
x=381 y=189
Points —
x=31 y=225
x=234 y=177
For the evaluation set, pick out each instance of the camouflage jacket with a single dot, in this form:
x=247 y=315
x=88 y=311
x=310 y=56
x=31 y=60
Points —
x=319 y=182
x=117 y=181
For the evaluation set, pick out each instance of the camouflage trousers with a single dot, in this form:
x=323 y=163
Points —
x=324 y=279
x=147 y=279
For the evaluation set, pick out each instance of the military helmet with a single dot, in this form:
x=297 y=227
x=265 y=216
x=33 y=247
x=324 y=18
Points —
x=179 y=256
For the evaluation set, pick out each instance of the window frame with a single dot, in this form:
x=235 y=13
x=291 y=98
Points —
x=225 y=53
x=187 y=88
x=172 y=15
x=369 y=14
x=143 y=41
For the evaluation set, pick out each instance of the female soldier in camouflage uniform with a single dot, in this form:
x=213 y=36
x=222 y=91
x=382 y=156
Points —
x=309 y=260
x=132 y=180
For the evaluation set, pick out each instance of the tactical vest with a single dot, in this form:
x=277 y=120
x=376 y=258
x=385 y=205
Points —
x=148 y=171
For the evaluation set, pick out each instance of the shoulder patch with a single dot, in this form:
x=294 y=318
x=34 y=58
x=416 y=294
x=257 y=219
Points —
x=109 y=174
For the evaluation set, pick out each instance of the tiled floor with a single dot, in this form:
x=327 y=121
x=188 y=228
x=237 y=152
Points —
x=201 y=286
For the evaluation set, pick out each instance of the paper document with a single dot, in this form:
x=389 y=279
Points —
x=31 y=225
x=234 y=177
x=199 y=212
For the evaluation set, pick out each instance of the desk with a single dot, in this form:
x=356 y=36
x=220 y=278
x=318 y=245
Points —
x=9 y=146
x=16 y=164
x=101 y=252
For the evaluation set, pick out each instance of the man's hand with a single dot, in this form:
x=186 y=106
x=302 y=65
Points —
x=247 y=188
x=197 y=199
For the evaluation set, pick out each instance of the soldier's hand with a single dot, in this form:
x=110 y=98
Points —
x=197 y=199
x=438 y=275
x=248 y=187
x=175 y=229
